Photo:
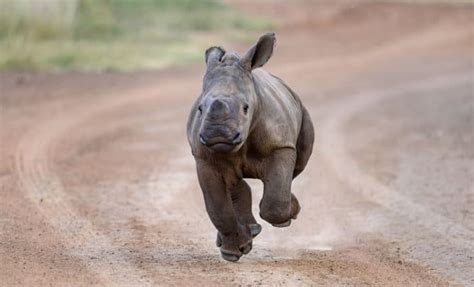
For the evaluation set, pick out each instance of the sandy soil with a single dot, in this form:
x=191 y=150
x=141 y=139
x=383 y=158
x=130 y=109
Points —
x=98 y=184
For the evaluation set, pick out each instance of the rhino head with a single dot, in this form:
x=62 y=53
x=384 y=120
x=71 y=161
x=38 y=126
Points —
x=229 y=102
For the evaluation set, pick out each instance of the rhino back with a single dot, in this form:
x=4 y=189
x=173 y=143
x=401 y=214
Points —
x=279 y=117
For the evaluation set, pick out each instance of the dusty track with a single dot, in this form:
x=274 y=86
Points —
x=98 y=184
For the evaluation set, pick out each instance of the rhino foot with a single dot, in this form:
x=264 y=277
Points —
x=233 y=246
x=295 y=207
x=218 y=240
x=229 y=256
x=294 y=214
x=245 y=249
x=255 y=229
x=284 y=224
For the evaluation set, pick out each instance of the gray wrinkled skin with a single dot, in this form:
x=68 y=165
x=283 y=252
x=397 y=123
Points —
x=247 y=124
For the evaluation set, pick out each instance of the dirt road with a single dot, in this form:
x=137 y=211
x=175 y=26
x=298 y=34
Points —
x=98 y=183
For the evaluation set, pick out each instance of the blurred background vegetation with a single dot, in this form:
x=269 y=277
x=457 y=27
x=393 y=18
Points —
x=122 y=35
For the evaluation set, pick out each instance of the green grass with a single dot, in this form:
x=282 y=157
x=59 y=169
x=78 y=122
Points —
x=116 y=34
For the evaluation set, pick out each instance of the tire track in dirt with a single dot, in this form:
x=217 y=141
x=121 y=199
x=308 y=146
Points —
x=333 y=149
x=44 y=188
x=33 y=163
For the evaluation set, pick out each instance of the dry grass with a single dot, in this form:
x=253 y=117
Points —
x=115 y=34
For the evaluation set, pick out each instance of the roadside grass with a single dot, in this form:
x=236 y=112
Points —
x=116 y=34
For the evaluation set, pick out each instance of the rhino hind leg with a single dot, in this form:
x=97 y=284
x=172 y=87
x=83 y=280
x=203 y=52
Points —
x=304 y=144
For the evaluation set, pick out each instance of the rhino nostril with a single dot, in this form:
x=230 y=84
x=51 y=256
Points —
x=236 y=139
x=202 y=140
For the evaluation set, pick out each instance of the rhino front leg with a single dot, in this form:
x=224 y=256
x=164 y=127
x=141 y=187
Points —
x=279 y=205
x=242 y=201
x=241 y=195
x=236 y=237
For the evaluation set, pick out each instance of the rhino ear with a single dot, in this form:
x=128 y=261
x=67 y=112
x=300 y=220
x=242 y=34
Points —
x=214 y=56
x=259 y=54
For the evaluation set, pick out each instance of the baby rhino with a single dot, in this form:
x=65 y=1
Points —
x=247 y=124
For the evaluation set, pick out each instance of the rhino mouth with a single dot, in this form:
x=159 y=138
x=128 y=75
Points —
x=221 y=145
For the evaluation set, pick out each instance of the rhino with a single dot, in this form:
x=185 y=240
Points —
x=247 y=123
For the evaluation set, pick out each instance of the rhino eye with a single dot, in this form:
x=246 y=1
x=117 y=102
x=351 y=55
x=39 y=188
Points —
x=200 y=110
x=246 y=108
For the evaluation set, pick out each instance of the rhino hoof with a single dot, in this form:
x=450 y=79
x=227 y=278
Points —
x=255 y=229
x=295 y=216
x=218 y=241
x=230 y=257
x=246 y=248
x=284 y=224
